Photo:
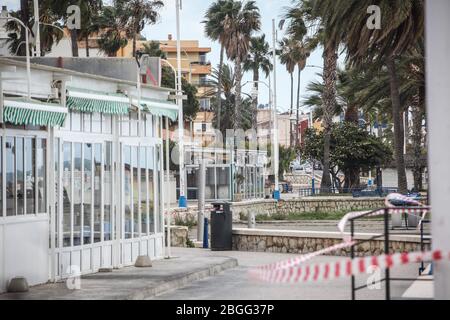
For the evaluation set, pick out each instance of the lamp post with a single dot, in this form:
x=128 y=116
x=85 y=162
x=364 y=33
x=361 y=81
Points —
x=182 y=202
x=276 y=147
x=37 y=26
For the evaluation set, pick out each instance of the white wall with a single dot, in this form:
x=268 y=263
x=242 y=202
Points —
x=390 y=178
x=438 y=97
x=24 y=243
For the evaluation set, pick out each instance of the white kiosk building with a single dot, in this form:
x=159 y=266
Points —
x=80 y=172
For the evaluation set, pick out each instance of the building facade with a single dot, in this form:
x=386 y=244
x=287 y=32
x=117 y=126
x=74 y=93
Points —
x=81 y=172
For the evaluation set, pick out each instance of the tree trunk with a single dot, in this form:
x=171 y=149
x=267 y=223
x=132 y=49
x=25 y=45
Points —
x=219 y=90
x=352 y=178
x=25 y=17
x=297 y=129
x=87 y=45
x=74 y=41
x=329 y=105
x=417 y=138
x=238 y=102
x=351 y=114
x=398 y=126
x=255 y=100
x=134 y=45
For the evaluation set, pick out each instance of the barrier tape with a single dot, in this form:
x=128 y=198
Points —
x=344 y=268
x=289 y=267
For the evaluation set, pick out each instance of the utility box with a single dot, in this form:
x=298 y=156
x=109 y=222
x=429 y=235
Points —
x=221 y=227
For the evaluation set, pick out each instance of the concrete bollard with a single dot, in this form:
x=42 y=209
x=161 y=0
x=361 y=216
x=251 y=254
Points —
x=18 y=284
x=143 y=262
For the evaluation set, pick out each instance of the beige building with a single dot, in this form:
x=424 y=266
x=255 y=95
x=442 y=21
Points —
x=265 y=124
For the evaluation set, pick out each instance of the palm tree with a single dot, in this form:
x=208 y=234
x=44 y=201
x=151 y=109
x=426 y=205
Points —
x=153 y=49
x=258 y=59
x=138 y=14
x=402 y=27
x=214 y=29
x=304 y=53
x=240 y=26
x=90 y=11
x=114 y=38
x=289 y=57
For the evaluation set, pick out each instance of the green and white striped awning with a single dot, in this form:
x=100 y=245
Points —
x=21 y=111
x=95 y=101
x=158 y=108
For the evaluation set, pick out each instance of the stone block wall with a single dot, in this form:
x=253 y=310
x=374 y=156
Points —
x=302 y=242
x=178 y=236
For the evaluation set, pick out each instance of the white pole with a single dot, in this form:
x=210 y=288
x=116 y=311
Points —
x=182 y=200
x=438 y=95
x=36 y=23
x=276 y=146
x=167 y=191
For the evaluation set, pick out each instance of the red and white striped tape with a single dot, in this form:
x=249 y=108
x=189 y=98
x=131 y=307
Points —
x=343 y=268
x=286 y=268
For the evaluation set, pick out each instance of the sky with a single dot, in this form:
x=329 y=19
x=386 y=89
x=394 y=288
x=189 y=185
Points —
x=192 y=29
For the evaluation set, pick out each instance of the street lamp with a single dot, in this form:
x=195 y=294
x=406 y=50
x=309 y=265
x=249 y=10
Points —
x=276 y=153
x=182 y=202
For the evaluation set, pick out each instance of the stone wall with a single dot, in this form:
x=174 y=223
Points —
x=316 y=204
x=270 y=207
x=302 y=242
x=178 y=236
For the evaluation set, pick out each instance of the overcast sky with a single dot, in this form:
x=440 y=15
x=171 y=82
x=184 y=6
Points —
x=192 y=29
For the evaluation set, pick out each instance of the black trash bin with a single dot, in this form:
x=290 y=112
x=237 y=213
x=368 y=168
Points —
x=221 y=227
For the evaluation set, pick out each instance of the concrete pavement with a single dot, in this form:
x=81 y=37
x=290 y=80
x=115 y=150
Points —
x=234 y=284
x=136 y=283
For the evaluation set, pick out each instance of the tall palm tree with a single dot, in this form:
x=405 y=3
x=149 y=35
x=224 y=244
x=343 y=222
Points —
x=138 y=14
x=304 y=53
x=90 y=11
x=289 y=57
x=258 y=59
x=214 y=29
x=114 y=37
x=240 y=26
x=402 y=27
x=310 y=13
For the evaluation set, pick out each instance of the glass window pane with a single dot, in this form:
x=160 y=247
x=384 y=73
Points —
x=107 y=124
x=151 y=189
x=56 y=159
x=96 y=123
x=87 y=200
x=76 y=121
x=30 y=155
x=210 y=188
x=77 y=192
x=125 y=125
x=67 y=193
x=10 y=177
x=135 y=192
x=144 y=203
x=127 y=192
x=134 y=123
x=107 y=195
x=149 y=125
x=20 y=189
x=87 y=122
x=97 y=192
x=41 y=162
x=66 y=126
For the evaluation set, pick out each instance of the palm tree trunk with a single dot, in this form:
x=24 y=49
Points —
x=329 y=102
x=134 y=45
x=25 y=17
x=297 y=136
x=417 y=138
x=398 y=126
x=351 y=114
x=255 y=100
x=219 y=88
x=87 y=45
x=74 y=42
x=238 y=102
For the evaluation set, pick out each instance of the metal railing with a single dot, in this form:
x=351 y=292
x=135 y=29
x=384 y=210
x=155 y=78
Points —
x=386 y=238
x=354 y=192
